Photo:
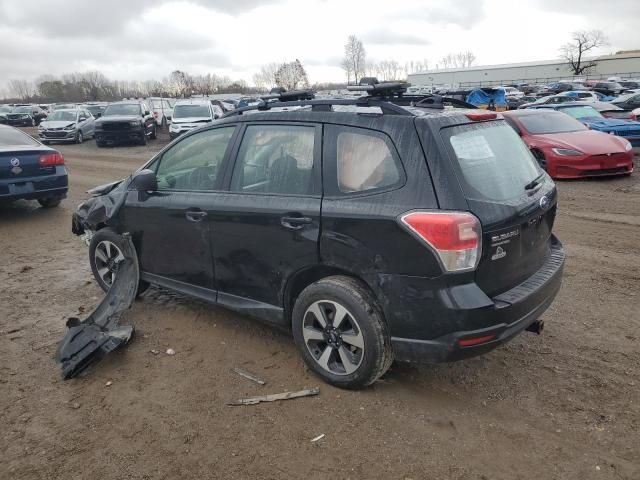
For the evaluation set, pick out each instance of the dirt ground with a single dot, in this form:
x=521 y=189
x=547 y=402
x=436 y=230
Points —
x=563 y=405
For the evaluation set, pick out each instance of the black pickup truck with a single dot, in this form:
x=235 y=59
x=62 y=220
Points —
x=123 y=122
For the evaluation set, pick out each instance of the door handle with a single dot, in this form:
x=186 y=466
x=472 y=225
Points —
x=195 y=215
x=295 y=223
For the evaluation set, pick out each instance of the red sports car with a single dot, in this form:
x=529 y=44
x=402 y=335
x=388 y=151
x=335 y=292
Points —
x=566 y=148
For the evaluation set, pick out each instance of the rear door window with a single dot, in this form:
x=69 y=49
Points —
x=494 y=163
x=275 y=159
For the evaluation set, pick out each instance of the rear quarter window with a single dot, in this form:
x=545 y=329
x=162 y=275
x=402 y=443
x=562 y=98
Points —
x=494 y=164
x=365 y=161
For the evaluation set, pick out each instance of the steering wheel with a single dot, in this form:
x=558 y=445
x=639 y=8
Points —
x=202 y=178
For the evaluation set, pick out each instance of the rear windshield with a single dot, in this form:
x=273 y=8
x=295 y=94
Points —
x=12 y=136
x=550 y=122
x=186 y=111
x=495 y=164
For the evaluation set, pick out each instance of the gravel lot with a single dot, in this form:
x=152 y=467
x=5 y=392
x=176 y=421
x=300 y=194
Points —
x=562 y=405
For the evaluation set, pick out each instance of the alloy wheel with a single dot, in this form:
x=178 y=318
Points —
x=333 y=337
x=107 y=256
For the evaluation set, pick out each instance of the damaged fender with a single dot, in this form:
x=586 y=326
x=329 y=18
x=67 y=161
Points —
x=89 y=340
x=104 y=204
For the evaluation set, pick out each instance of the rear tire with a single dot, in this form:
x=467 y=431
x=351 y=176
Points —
x=352 y=349
x=49 y=202
x=109 y=246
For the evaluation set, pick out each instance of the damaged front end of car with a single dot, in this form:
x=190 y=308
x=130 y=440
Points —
x=95 y=212
x=87 y=341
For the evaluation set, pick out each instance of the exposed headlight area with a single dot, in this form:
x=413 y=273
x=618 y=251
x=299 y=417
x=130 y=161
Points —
x=627 y=146
x=134 y=124
x=567 y=152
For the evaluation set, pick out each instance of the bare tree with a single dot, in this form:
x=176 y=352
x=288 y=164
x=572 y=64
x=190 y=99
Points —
x=458 y=60
x=464 y=59
x=23 y=89
x=291 y=76
x=355 y=59
x=181 y=83
x=582 y=42
x=266 y=77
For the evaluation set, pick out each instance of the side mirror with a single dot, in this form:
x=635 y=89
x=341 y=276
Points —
x=216 y=116
x=144 y=181
x=146 y=112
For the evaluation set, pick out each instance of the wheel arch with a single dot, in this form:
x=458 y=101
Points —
x=303 y=278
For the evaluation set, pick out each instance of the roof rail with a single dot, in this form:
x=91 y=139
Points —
x=325 y=105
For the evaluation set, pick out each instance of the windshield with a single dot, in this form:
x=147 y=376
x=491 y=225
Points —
x=5 y=109
x=95 y=109
x=494 y=162
x=22 y=110
x=186 y=111
x=64 y=106
x=581 y=112
x=550 y=122
x=122 y=109
x=61 y=115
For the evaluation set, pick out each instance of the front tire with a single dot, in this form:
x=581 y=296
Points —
x=79 y=137
x=105 y=251
x=154 y=132
x=340 y=332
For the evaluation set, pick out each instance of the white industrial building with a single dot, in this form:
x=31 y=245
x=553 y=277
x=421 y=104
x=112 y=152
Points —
x=623 y=64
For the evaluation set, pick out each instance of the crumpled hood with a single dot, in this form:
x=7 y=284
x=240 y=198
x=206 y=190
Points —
x=56 y=123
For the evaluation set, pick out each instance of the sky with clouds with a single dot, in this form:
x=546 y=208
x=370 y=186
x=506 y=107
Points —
x=143 y=39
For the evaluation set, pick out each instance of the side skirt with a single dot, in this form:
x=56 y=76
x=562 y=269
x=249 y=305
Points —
x=264 y=312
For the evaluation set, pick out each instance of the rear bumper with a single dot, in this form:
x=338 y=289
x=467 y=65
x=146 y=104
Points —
x=501 y=318
x=33 y=188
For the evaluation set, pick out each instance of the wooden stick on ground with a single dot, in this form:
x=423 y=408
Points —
x=275 y=397
x=249 y=376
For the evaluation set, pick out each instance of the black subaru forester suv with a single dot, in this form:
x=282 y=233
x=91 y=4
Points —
x=373 y=229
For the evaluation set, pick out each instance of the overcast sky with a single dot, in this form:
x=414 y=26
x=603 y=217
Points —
x=141 y=39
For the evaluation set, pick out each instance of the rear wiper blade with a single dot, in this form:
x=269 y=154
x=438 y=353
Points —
x=534 y=183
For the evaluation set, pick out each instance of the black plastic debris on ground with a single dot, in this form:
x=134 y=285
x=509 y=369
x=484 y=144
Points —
x=88 y=341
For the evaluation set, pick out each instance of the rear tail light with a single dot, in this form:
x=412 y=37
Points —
x=51 y=159
x=455 y=237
